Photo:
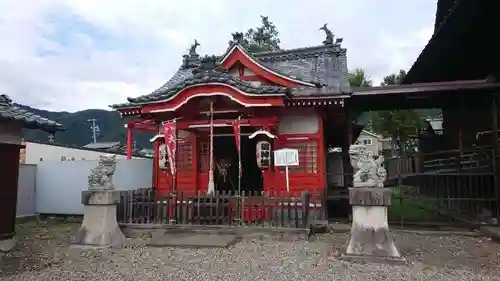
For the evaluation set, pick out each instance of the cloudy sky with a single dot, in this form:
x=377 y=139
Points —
x=78 y=54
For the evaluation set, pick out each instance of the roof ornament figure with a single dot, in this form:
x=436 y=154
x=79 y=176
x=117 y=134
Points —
x=329 y=35
x=5 y=100
x=238 y=38
x=208 y=63
x=192 y=49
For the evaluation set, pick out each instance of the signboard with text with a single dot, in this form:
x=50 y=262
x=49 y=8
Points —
x=286 y=157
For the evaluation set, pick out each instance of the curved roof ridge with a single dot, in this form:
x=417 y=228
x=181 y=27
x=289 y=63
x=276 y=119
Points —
x=211 y=76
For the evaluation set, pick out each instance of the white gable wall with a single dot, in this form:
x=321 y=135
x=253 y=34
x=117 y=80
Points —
x=303 y=121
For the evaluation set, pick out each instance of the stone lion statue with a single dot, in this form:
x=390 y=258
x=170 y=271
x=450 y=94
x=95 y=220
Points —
x=101 y=177
x=368 y=169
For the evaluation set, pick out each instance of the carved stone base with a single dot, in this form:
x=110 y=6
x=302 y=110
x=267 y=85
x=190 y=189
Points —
x=370 y=239
x=99 y=227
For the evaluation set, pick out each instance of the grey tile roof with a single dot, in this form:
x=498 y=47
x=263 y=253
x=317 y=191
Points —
x=210 y=76
x=11 y=112
x=205 y=73
x=101 y=145
x=324 y=66
x=180 y=76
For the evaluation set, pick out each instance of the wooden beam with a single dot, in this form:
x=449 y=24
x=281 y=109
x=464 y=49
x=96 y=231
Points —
x=448 y=86
x=255 y=122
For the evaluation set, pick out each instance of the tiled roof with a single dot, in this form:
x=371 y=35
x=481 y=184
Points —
x=101 y=145
x=203 y=76
x=324 y=65
x=9 y=111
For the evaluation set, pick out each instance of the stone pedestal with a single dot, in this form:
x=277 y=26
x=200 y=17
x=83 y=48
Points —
x=99 y=227
x=370 y=239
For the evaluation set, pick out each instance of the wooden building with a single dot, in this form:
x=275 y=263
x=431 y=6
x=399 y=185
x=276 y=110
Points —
x=12 y=121
x=302 y=99
x=284 y=99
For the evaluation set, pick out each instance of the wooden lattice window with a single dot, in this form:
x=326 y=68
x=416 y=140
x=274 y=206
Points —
x=184 y=156
x=203 y=162
x=308 y=157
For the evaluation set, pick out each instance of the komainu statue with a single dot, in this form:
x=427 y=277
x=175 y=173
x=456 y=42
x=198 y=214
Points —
x=368 y=170
x=101 y=177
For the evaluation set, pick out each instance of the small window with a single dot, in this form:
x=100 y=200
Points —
x=367 y=141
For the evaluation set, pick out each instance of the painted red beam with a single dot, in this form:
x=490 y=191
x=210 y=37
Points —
x=143 y=125
x=147 y=125
x=257 y=122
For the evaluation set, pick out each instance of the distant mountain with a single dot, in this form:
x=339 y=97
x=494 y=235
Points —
x=78 y=131
x=111 y=127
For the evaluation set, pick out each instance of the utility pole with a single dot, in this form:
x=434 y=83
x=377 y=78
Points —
x=94 y=128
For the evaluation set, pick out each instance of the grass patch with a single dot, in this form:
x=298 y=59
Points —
x=410 y=209
x=41 y=228
x=27 y=226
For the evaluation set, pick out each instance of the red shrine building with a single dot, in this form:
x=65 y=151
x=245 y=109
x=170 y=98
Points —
x=283 y=99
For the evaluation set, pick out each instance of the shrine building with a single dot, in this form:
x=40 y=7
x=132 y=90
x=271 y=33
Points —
x=283 y=99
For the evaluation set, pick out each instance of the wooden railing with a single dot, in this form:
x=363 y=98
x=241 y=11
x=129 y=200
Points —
x=456 y=184
x=276 y=209
x=454 y=161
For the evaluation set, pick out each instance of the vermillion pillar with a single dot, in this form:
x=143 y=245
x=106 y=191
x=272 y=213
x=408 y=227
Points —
x=130 y=141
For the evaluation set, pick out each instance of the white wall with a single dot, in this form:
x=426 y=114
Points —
x=11 y=132
x=59 y=185
x=35 y=151
x=303 y=121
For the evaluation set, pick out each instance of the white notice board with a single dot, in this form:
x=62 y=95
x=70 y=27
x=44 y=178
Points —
x=286 y=157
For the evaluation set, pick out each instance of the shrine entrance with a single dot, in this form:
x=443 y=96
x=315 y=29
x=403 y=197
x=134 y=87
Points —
x=251 y=179
x=226 y=164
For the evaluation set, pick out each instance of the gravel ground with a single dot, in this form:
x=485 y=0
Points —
x=43 y=254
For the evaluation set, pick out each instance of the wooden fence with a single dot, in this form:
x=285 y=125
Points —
x=276 y=209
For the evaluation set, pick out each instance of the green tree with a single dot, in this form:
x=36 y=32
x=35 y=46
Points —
x=399 y=125
x=358 y=78
x=394 y=79
x=263 y=38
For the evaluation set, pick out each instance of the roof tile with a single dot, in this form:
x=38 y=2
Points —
x=10 y=111
x=324 y=65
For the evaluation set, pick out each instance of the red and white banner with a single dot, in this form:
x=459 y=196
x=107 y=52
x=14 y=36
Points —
x=237 y=139
x=237 y=134
x=170 y=134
